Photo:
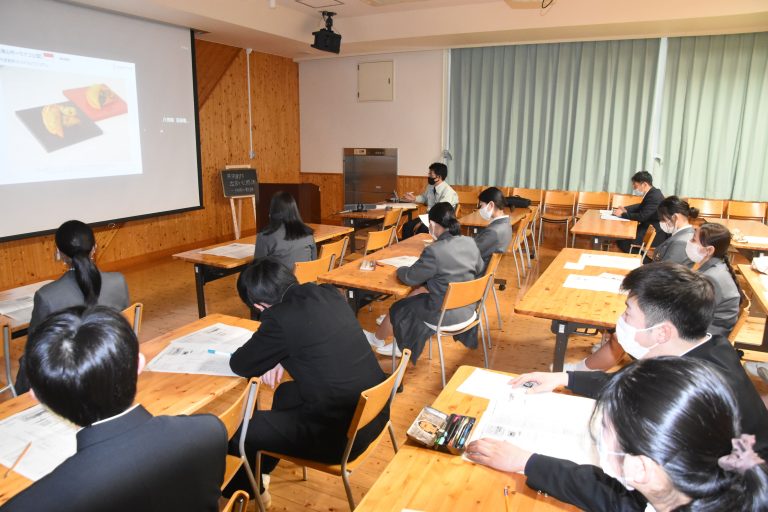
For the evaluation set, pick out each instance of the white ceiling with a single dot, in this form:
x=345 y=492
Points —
x=408 y=25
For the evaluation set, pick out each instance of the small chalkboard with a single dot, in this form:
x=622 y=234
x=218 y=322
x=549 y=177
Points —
x=239 y=182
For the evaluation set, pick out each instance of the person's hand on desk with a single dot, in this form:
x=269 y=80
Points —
x=540 y=382
x=619 y=211
x=408 y=196
x=497 y=454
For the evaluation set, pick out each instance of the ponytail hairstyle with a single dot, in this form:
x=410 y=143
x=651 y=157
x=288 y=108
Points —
x=75 y=240
x=674 y=205
x=284 y=212
x=444 y=215
x=719 y=237
x=681 y=413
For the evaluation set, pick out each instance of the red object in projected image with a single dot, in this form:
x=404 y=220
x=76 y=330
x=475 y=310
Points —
x=97 y=101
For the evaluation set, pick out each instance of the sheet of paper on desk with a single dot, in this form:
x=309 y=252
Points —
x=485 y=384
x=605 y=260
x=189 y=354
x=548 y=423
x=601 y=283
x=570 y=265
x=53 y=441
x=13 y=306
x=237 y=251
x=608 y=215
x=761 y=240
x=399 y=261
x=381 y=206
x=424 y=218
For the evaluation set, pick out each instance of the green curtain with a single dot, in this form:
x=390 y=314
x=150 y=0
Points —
x=714 y=118
x=559 y=116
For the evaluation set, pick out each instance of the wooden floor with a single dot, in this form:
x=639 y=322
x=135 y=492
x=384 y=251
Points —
x=166 y=288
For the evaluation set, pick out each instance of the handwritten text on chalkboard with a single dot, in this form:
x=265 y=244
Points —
x=238 y=182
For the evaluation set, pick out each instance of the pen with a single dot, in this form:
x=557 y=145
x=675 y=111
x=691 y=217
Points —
x=465 y=434
x=459 y=429
x=449 y=429
x=219 y=352
x=18 y=459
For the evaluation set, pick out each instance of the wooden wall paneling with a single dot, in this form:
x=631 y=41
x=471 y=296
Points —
x=224 y=140
x=217 y=59
x=331 y=193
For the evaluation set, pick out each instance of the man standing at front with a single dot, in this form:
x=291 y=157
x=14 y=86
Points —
x=437 y=191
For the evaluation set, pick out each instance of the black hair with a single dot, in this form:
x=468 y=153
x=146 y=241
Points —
x=284 y=212
x=76 y=241
x=718 y=236
x=642 y=177
x=439 y=169
x=264 y=281
x=444 y=215
x=681 y=413
x=667 y=291
x=82 y=363
x=674 y=205
x=492 y=194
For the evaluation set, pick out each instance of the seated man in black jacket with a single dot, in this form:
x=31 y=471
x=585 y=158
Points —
x=83 y=365
x=645 y=213
x=311 y=332
x=669 y=308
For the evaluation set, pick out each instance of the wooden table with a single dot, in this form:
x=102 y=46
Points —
x=383 y=279
x=168 y=394
x=20 y=323
x=210 y=267
x=475 y=221
x=572 y=308
x=748 y=228
x=421 y=479
x=600 y=230
x=362 y=219
x=758 y=283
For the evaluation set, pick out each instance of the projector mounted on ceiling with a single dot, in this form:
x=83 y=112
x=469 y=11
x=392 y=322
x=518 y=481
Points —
x=326 y=39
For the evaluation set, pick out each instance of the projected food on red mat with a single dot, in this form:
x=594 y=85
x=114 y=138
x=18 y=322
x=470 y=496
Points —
x=98 y=101
x=58 y=125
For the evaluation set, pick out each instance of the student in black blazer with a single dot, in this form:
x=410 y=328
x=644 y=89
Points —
x=311 y=332
x=126 y=460
x=82 y=285
x=497 y=235
x=646 y=213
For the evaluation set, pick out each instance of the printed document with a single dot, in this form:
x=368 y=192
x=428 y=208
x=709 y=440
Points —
x=204 y=352
x=484 y=384
x=606 y=260
x=236 y=251
x=399 y=261
x=605 y=282
x=608 y=215
x=53 y=441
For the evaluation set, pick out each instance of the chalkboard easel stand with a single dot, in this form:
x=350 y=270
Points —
x=237 y=216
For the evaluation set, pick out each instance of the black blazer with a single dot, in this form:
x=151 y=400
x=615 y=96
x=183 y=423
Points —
x=136 y=462
x=646 y=213
x=718 y=350
x=316 y=337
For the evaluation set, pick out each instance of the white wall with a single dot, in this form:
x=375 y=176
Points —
x=332 y=118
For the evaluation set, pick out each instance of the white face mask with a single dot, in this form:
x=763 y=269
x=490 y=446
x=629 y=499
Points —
x=605 y=462
x=487 y=212
x=694 y=251
x=667 y=227
x=636 y=192
x=432 y=233
x=626 y=333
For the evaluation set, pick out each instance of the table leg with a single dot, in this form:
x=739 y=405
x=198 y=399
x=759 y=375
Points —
x=200 y=289
x=596 y=243
x=562 y=330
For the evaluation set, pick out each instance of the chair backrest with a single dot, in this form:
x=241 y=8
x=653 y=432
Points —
x=560 y=200
x=5 y=332
x=624 y=200
x=493 y=263
x=373 y=400
x=712 y=208
x=592 y=201
x=378 y=240
x=534 y=194
x=650 y=235
x=465 y=293
x=467 y=197
x=391 y=218
x=457 y=210
x=746 y=210
x=237 y=503
x=237 y=413
x=338 y=249
x=307 y=271
x=519 y=233
x=745 y=305
x=133 y=314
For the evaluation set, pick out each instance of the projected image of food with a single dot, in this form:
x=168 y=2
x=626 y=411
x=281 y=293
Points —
x=98 y=101
x=58 y=125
